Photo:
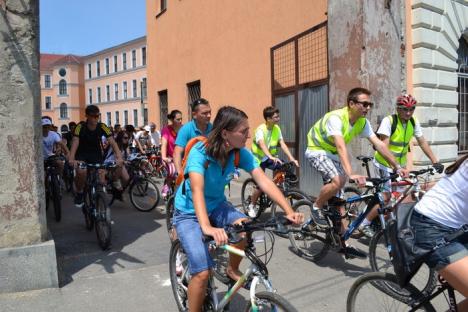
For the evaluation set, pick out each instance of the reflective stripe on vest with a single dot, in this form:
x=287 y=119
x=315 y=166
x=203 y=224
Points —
x=398 y=144
x=271 y=144
x=317 y=138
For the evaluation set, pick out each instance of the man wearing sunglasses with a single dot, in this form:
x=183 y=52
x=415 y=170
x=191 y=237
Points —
x=396 y=131
x=327 y=152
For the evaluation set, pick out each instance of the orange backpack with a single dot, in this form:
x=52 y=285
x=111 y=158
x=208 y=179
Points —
x=181 y=176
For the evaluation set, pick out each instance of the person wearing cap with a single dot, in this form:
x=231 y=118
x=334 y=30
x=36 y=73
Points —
x=155 y=135
x=398 y=142
x=50 y=141
x=144 y=138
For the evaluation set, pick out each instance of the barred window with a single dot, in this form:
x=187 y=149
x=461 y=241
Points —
x=463 y=96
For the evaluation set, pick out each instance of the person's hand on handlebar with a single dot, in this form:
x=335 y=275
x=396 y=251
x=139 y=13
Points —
x=404 y=173
x=438 y=167
x=295 y=162
x=358 y=179
x=276 y=160
x=218 y=234
x=295 y=217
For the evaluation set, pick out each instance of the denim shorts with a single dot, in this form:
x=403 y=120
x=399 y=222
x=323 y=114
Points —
x=191 y=236
x=428 y=232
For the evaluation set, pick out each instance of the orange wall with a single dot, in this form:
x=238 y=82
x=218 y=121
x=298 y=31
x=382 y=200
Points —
x=224 y=44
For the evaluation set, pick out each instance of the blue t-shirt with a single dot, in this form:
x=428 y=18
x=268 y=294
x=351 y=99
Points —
x=216 y=178
x=189 y=131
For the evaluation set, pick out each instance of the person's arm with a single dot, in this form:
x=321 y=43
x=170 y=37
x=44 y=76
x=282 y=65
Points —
x=285 y=149
x=270 y=188
x=427 y=149
x=345 y=162
x=115 y=148
x=73 y=149
x=177 y=157
x=197 y=184
x=164 y=150
x=64 y=148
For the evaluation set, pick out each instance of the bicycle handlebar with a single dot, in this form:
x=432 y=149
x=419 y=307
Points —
x=110 y=165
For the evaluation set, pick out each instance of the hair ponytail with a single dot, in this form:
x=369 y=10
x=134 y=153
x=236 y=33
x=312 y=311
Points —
x=454 y=167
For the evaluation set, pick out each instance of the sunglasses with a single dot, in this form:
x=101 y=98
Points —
x=125 y=138
x=406 y=109
x=365 y=104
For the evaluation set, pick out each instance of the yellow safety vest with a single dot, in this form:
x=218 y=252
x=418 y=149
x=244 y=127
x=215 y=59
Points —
x=398 y=143
x=271 y=143
x=317 y=138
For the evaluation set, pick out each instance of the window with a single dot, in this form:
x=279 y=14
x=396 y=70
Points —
x=63 y=111
x=462 y=96
x=46 y=81
x=125 y=117
x=90 y=96
x=99 y=94
x=124 y=87
x=108 y=119
x=133 y=58
x=143 y=88
x=89 y=71
x=163 y=4
x=124 y=61
x=115 y=63
x=163 y=108
x=107 y=66
x=116 y=91
x=108 y=93
x=193 y=93
x=48 y=102
x=143 y=56
x=62 y=72
x=62 y=87
x=145 y=116
x=134 y=88
x=135 y=117
x=117 y=118
x=98 y=68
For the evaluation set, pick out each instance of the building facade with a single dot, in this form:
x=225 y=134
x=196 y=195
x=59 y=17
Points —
x=114 y=79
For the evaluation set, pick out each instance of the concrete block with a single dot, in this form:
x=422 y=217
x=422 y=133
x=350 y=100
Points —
x=422 y=17
x=435 y=78
x=432 y=5
x=424 y=57
x=445 y=153
x=424 y=37
x=442 y=135
x=437 y=115
x=28 y=267
x=430 y=97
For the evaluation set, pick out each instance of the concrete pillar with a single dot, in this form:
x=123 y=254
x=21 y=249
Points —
x=27 y=257
x=365 y=49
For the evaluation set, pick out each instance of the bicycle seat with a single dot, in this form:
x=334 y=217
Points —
x=364 y=158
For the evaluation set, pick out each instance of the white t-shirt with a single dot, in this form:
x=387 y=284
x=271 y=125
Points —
x=155 y=138
x=334 y=126
x=144 y=140
x=447 y=201
x=49 y=142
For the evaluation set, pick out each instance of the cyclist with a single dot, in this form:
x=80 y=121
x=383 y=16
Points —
x=168 y=137
x=203 y=208
x=50 y=141
x=87 y=147
x=200 y=125
x=327 y=152
x=143 y=138
x=134 y=144
x=120 y=175
x=155 y=135
x=442 y=211
x=265 y=148
x=69 y=135
x=399 y=144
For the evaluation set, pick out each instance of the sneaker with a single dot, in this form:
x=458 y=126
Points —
x=352 y=252
x=252 y=211
x=79 y=200
x=366 y=230
x=318 y=217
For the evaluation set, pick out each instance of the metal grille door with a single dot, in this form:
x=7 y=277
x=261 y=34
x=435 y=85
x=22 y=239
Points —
x=463 y=97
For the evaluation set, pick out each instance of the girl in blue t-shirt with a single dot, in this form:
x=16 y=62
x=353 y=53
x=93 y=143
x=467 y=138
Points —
x=203 y=209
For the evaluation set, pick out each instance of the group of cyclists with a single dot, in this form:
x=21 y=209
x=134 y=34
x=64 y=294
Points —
x=201 y=207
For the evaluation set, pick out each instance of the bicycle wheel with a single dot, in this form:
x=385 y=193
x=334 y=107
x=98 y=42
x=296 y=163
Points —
x=169 y=215
x=179 y=275
x=89 y=219
x=221 y=259
x=249 y=187
x=292 y=195
x=68 y=178
x=56 y=197
x=103 y=222
x=366 y=294
x=310 y=243
x=144 y=194
x=425 y=280
x=269 y=301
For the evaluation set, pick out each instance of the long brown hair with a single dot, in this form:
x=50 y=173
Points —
x=227 y=118
x=453 y=167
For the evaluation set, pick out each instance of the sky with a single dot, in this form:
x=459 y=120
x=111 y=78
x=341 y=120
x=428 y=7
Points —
x=83 y=27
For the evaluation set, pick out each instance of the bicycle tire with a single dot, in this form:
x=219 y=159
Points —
x=56 y=197
x=425 y=280
x=370 y=302
x=269 y=301
x=103 y=223
x=292 y=195
x=89 y=219
x=248 y=188
x=310 y=243
x=144 y=194
x=179 y=282
x=68 y=179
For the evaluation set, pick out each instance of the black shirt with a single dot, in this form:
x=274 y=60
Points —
x=91 y=140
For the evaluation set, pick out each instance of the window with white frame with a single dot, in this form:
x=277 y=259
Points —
x=48 y=102
x=63 y=111
x=117 y=117
x=143 y=88
x=135 y=117
x=124 y=61
x=98 y=91
x=107 y=66
x=143 y=56
x=125 y=117
x=124 y=87
x=133 y=58
x=108 y=93
x=134 y=88
x=90 y=75
x=115 y=64
x=108 y=119
x=98 y=68
x=46 y=81
x=62 y=87
x=116 y=91
x=90 y=96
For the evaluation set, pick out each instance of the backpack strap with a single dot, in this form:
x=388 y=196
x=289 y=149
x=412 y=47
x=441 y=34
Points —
x=236 y=158
x=183 y=176
x=394 y=124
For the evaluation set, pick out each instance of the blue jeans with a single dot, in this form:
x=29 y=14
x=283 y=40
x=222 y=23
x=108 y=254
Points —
x=428 y=232
x=191 y=236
